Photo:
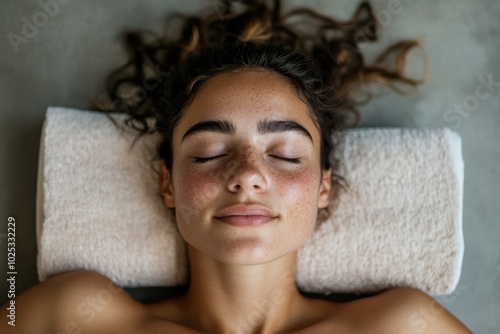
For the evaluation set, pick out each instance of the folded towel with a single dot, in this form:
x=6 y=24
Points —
x=99 y=208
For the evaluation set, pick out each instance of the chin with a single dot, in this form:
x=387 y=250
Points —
x=245 y=252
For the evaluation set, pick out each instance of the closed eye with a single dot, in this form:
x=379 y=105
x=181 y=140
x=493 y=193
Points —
x=201 y=160
x=290 y=160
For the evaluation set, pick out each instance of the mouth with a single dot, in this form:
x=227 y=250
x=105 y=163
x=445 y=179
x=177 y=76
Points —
x=245 y=215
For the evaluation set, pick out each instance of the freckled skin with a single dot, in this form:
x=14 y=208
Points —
x=292 y=191
x=242 y=278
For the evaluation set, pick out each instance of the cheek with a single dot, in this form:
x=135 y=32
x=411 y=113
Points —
x=299 y=195
x=194 y=192
x=194 y=188
x=300 y=192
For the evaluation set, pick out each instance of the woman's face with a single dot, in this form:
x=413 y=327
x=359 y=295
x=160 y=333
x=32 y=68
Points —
x=246 y=152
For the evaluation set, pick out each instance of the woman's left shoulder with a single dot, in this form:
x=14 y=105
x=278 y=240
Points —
x=405 y=310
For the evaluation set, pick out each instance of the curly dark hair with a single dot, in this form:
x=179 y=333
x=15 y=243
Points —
x=321 y=59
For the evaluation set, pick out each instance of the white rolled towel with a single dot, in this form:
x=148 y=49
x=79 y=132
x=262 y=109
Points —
x=98 y=208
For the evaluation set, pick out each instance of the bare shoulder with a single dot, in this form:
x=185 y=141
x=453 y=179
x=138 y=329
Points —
x=74 y=302
x=404 y=311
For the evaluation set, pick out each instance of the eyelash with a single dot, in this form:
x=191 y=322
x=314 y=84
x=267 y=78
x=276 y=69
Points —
x=200 y=160
x=289 y=160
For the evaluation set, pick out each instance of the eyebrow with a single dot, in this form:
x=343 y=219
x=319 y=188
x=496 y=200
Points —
x=264 y=127
x=275 y=126
x=224 y=127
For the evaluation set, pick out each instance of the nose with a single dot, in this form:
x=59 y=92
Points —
x=247 y=174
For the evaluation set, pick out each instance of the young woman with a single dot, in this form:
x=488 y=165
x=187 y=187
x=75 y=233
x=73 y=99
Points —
x=249 y=113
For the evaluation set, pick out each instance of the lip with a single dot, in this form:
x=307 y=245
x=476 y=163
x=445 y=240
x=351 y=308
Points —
x=245 y=215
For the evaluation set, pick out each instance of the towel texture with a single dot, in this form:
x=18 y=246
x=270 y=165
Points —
x=400 y=224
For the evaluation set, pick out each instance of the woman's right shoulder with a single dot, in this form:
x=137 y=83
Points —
x=73 y=302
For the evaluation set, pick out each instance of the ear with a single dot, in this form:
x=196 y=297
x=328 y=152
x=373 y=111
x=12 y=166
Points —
x=166 y=186
x=324 y=189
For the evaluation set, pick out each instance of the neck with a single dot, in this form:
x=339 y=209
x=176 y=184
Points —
x=226 y=298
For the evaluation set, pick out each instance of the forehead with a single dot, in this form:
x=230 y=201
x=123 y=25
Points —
x=247 y=96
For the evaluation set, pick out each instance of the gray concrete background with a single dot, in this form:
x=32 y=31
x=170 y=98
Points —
x=64 y=62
